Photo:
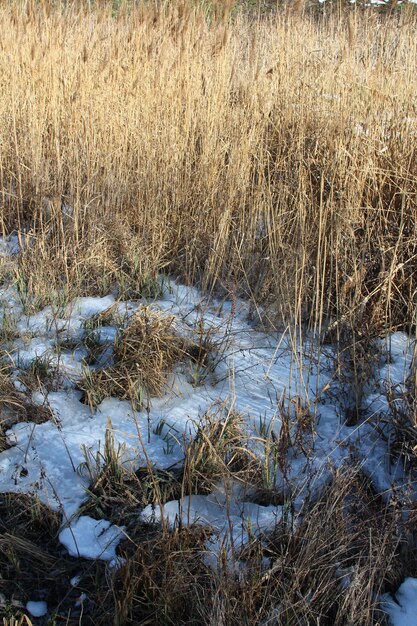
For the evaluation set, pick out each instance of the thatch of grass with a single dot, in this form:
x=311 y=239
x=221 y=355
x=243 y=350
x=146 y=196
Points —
x=144 y=355
x=219 y=453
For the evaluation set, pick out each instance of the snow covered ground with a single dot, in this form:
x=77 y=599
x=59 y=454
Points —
x=255 y=372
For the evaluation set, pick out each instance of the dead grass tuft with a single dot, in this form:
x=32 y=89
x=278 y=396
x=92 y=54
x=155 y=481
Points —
x=17 y=407
x=219 y=452
x=119 y=492
x=109 y=317
x=149 y=348
x=144 y=355
x=163 y=579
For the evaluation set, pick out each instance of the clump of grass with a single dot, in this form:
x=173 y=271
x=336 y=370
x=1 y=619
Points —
x=9 y=396
x=219 y=452
x=151 y=347
x=304 y=434
x=42 y=374
x=357 y=356
x=207 y=346
x=94 y=346
x=16 y=406
x=290 y=432
x=332 y=565
x=144 y=354
x=119 y=492
x=109 y=317
x=8 y=328
x=163 y=578
x=95 y=388
x=38 y=281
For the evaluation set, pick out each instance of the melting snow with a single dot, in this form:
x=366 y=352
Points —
x=254 y=373
x=402 y=609
x=37 y=609
x=232 y=522
x=92 y=539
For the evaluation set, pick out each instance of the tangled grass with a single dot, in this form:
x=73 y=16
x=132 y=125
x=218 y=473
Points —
x=144 y=354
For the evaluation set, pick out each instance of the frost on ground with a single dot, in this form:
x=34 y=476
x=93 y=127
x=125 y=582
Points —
x=266 y=378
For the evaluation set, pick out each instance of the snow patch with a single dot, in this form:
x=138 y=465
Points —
x=402 y=608
x=37 y=609
x=92 y=539
x=232 y=522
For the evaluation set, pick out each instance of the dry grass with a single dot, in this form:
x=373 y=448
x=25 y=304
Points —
x=344 y=552
x=33 y=566
x=144 y=355
x=150 y=345
x=119 y=492
x=328 y=569
x=56 y=266
x=270 y=157
x=145 y=352
x=21 y=621
x=277 y=155
x=219 y=453
x=17 y=407
x=403 y=419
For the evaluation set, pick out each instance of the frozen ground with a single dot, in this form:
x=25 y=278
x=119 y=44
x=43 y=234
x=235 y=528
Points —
x=254 y=372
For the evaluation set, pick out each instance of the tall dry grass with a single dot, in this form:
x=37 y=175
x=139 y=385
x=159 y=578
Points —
x=274 y=157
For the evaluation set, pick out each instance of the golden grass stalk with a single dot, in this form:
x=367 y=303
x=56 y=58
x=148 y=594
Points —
x=272 y=155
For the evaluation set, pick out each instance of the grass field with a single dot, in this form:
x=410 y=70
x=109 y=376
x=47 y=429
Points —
x=265 y=156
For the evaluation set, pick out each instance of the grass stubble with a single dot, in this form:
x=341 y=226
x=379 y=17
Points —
x=271 y=157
